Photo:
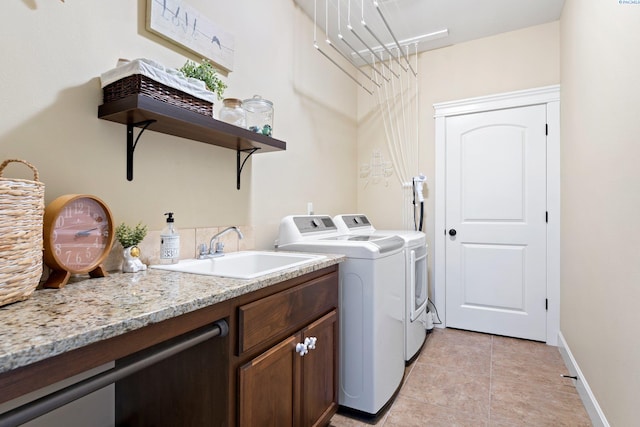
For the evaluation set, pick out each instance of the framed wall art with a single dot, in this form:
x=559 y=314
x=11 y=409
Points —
x=183 y=25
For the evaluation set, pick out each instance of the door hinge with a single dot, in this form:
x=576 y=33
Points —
x=546 y=304
x=546 y=129
x=546 y=216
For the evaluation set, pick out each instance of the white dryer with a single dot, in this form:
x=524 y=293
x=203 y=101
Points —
x=416 y=280
x=371 y=308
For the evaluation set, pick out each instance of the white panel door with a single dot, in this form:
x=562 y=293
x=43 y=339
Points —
x=495 y=222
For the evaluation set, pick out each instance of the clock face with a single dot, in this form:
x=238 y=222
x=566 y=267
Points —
x=80 y=235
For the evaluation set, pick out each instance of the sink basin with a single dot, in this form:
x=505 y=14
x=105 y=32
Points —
x=242 y=265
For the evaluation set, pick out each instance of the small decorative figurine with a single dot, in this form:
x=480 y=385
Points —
x=132 y=263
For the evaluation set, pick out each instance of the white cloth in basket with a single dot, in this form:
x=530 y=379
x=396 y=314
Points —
x=156 y=71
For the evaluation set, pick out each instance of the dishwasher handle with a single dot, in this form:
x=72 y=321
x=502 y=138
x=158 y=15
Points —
x=48 y=403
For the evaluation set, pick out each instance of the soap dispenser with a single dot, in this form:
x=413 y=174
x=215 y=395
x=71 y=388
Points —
x=169 y=242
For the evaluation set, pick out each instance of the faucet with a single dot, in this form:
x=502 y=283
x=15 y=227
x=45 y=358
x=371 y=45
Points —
x=216 y=249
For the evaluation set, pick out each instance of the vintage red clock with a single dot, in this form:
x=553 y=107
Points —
x=78 y=236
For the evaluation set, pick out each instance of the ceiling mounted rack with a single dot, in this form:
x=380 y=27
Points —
x=360 y=32
x=429 y=24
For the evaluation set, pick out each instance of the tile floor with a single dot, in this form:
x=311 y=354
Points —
x=469 y=379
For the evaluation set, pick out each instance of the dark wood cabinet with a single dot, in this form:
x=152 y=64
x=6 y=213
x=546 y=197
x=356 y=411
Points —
x=279 y=386
x=268 y=387
x=320 y=372
x=252 y=376
x=283 y=388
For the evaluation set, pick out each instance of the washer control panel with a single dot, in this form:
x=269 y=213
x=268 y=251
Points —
x=355 y=221
x=314 y=223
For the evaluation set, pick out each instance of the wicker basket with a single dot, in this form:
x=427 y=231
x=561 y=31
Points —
x=21 y=213
x=138 y=84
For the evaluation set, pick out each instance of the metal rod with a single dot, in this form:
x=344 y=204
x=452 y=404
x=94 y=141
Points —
x=393 y=36
x=359 y=69
x=350 y=28
x=371 y=50
x=366 y=27
x=330 y=43
x=315 y=44
x=67 y=395
x=364 y=59
x=341 y=68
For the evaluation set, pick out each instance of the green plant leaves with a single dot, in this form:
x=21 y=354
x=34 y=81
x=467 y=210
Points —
x=128 y=236
x=207 y=73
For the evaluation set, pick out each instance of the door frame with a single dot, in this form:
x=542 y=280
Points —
x=550 y=96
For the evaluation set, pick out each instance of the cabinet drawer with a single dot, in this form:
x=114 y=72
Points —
x=286 y=311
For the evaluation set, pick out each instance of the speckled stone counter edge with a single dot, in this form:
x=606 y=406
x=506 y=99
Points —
x=53 y=322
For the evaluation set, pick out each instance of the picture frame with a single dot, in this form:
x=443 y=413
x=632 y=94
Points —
x=183 y=25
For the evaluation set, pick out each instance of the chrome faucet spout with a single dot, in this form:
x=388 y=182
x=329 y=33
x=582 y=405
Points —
x=218 y=249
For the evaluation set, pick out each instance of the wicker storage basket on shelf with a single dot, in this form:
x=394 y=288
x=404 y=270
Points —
x=21 y=213
x=138 y=84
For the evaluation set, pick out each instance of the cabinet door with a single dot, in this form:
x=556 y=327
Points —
x=268 y=392
x=320 y=372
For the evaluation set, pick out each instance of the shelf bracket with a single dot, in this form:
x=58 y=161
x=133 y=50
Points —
x=131 y=143
x=240 y=165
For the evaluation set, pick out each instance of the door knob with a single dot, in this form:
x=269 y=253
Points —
x=452 y=232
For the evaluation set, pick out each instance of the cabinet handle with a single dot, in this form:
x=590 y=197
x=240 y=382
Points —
x=301 y=348
x=311 y=342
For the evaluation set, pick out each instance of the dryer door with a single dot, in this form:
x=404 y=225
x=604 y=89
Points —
x=418 y=277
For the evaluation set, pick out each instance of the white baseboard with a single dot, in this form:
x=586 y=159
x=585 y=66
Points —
x=588 y=399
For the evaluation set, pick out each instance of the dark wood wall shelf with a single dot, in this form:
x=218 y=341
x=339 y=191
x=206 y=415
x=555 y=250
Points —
x=148 y=113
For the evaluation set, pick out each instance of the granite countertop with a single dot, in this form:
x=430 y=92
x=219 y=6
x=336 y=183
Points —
x=54 y=321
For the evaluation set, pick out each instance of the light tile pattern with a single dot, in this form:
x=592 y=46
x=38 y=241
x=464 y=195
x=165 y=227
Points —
x=190 y=239
x=465 y=378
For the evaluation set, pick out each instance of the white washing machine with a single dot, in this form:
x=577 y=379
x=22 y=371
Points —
x=416 y=280
x=371 y=309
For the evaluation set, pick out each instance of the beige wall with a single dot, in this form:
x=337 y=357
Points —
x=53 y=54
x=601 y=199
x=516 y=60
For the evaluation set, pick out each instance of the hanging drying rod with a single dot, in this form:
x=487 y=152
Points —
x=377 y=62
x=393 y=36
x=315 y=45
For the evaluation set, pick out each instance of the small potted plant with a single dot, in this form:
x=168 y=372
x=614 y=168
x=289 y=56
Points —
x=130 y=238
x=207 y=73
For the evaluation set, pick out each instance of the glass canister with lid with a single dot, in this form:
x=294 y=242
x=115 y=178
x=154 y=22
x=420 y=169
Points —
x=233 y=113
x=259 y=115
